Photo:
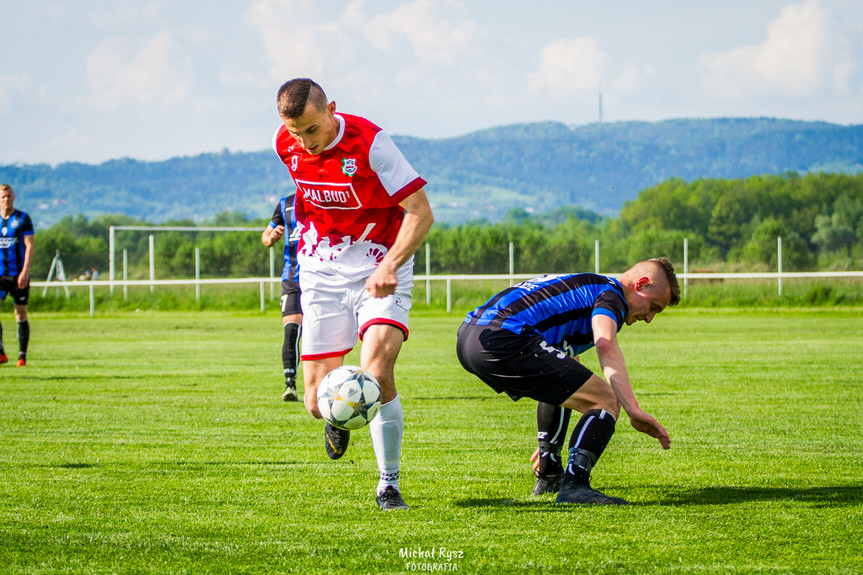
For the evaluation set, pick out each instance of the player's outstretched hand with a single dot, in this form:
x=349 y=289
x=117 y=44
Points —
x=645 y=423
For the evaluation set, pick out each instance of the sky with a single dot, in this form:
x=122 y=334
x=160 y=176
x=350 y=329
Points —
x=94 y=80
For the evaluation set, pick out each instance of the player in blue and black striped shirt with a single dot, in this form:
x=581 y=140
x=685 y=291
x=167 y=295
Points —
x=16 y=256
x=525 y=341
x=284 y=224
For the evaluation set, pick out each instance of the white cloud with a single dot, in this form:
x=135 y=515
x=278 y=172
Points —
x=297 y=39
x=303 y=38
x=158 y=72
x=11 y=87
x=570 y=67
x=806 y=53
x=439 y=32
x=127 y=12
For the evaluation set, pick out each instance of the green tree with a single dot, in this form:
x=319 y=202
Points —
x=833 y=233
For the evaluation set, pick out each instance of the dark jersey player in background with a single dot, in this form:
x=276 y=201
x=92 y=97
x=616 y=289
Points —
x=16 y=256
x=284 y=224
x=524 y=340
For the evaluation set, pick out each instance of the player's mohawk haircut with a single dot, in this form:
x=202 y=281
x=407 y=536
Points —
x=295 y=94
x=671 y=277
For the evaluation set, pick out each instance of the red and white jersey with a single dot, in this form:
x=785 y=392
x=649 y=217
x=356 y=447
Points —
x=347 y=203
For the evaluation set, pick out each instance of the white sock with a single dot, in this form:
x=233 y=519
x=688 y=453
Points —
x=386 y=431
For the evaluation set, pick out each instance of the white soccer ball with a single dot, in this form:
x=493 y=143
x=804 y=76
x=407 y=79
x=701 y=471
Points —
x=349 y=397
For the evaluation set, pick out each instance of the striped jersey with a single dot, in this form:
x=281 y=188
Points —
x=559 y=308
x=284 y=216
x=12 y=232
x=347 y=205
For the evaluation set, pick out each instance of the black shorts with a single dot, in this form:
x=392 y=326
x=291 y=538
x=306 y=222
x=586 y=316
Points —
x=290 y=298
x=519 y=365
x=9 y=285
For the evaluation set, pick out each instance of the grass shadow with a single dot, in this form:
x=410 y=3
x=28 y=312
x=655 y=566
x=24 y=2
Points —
x=455 y=398
x=204 y=464
x=543 y=505
x=824 y=496
x=85 y=377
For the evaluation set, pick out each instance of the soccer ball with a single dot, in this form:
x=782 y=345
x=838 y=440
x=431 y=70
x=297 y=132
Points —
x=349 y=397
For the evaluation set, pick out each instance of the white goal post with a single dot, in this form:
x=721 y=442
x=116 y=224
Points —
x=113 y=229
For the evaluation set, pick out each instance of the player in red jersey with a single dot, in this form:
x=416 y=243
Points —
x=362 y=213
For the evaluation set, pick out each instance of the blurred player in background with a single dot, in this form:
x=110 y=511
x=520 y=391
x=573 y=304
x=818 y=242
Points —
x=524 y=341
x=362 y=213
x=282 y=225
x=16 y=257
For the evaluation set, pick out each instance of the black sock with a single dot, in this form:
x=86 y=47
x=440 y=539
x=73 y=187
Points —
x=589 y=439
x=23 y=337
x=1 y=339
x=552 y=422
x=290 y=350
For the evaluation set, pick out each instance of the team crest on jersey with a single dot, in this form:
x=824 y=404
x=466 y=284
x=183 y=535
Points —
x=349 y=166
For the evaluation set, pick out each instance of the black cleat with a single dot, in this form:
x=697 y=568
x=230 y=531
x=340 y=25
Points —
x=336 y=441
x=547 y=483
x=549 y=473
x=580 y=493
x=390 y=499
x=290 y=391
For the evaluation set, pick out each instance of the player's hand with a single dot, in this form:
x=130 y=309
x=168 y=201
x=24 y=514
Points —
x=23 y=281
x=645 y=423
x=382 y=282
x=534 y=461
x=277 y=233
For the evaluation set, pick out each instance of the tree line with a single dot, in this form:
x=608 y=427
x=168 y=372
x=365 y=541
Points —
x=728 y=224
x=478 y=175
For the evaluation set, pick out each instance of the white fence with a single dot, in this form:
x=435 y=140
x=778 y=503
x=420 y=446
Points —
x=778 y=276
x=273 y=280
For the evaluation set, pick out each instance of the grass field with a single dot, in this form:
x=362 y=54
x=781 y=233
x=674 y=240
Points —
x=157 y=443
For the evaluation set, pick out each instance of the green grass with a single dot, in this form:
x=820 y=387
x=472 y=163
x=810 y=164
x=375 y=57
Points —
x=157 y=443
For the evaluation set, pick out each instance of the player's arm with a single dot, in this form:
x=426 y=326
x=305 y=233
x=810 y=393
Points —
x=614 y=369
x=415 y=226
x=24 y=276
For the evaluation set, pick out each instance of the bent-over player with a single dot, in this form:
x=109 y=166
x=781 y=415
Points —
x=524 y=340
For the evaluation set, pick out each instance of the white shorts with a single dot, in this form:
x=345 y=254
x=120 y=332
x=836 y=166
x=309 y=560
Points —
x=337 y=312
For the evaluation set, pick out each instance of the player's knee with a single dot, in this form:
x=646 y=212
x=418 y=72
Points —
x=311 y=402
x=604 y=398
x=595 y=394
x=292 y=318
x=612 y=407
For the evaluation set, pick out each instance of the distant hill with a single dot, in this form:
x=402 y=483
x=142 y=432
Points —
x=481 y=175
